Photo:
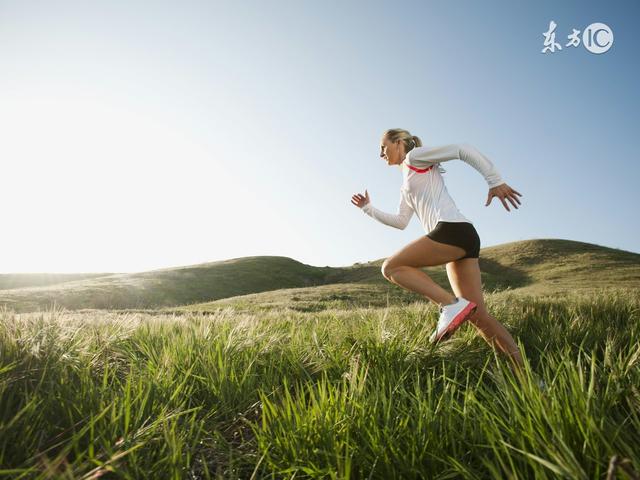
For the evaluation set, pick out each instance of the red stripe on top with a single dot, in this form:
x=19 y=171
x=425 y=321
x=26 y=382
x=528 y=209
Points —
x=419 y=170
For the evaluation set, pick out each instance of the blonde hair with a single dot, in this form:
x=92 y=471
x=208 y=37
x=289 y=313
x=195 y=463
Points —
x=410 y=141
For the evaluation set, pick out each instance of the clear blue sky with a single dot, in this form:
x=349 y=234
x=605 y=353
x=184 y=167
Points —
x=141 y=135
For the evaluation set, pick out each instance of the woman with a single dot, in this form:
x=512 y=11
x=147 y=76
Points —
x=451 y=238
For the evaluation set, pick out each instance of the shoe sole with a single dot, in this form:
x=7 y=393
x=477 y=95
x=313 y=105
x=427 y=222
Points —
x=457 y=321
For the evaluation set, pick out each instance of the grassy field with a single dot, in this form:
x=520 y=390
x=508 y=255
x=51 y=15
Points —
x=331 y=392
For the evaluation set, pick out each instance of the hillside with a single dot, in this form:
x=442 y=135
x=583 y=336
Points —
x=170 y=286
x=540 y=266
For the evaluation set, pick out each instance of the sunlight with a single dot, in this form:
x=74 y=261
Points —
x=83 y=169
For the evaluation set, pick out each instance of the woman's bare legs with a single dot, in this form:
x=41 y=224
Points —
x=403 y=269
x=464 y=277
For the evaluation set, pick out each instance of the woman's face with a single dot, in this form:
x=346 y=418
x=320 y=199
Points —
x=392 y=153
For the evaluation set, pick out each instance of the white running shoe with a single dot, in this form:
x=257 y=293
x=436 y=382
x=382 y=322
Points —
x=451 y=317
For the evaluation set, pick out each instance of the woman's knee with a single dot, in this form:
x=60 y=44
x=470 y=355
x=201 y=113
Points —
x=388 y=267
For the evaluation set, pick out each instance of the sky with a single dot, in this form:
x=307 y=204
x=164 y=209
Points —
x=141 y=135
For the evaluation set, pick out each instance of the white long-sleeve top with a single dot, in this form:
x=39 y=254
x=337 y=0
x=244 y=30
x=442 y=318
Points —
x=423 y=190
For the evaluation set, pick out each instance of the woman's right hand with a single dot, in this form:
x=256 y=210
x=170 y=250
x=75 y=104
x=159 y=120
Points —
x=360 y=200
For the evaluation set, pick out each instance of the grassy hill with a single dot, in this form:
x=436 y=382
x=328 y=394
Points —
x=564 y=265
x=169 y=286
x=540 y=267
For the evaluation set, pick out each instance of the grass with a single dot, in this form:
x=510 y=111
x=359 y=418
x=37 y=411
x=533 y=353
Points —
x=336 y=393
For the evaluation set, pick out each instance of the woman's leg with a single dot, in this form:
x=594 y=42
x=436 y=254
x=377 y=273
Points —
x=403 y=267
x=464 y=276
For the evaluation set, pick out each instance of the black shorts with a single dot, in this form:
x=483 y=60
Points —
x=460 y=234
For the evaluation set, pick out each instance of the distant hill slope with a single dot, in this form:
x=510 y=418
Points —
x=170 y=286
x=541 y=266
x=10 y=281
x=548 y=265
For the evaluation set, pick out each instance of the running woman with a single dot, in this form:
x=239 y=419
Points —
x=450 y=238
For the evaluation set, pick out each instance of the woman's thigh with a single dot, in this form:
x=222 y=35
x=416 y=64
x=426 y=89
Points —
x=424 y=252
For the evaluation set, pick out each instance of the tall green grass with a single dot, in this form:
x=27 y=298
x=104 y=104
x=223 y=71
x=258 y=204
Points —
x=335 y=394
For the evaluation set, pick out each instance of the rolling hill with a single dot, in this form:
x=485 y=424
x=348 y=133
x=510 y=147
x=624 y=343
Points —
x=539 y=266
x=544 y=267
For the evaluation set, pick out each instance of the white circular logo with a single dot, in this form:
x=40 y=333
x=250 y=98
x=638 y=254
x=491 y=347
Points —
x=597 y=38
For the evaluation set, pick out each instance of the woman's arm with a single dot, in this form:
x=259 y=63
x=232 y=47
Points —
x=422 y=157
x=400 y=220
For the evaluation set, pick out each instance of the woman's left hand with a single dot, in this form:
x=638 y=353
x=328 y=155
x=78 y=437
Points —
x=503 y=192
